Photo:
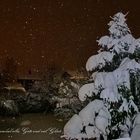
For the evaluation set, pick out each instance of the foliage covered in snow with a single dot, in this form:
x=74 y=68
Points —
x=99 y=60
x=67 y=100
x=112 y=90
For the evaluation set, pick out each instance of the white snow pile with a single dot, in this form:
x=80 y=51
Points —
x=87 y=118
x=99 y=60
x=86 y=91
x=73 y=127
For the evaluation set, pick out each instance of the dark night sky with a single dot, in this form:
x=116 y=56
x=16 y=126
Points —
x=38 y=33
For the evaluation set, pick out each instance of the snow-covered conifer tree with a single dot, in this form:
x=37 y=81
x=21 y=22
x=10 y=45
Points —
x=112 y=92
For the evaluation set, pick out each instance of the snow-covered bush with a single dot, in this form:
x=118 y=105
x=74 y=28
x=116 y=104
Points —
x=67 y=99
x=111 y=95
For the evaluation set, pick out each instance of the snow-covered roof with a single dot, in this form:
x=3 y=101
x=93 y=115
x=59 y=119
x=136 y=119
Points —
x=29 y=77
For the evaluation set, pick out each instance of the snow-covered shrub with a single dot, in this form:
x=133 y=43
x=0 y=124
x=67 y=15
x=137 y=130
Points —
x=67 y=99
x=111 y=96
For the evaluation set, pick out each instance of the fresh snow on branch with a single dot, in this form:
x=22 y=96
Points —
x=99 y=60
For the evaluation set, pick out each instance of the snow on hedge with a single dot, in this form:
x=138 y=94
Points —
x=73 y=127
x=88 y=116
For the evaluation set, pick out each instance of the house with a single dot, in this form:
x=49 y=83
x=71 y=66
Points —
x=28 y=80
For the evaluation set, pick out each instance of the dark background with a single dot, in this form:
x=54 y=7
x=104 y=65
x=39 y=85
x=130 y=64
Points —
x=40 y=33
